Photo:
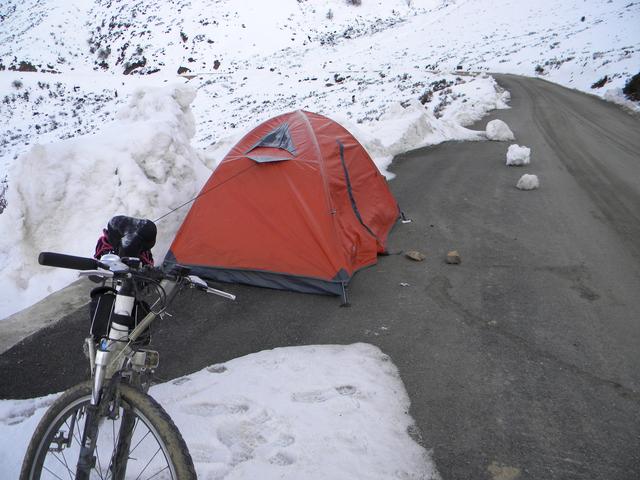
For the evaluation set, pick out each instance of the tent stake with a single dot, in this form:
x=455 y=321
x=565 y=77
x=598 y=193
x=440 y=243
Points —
x=345 y=297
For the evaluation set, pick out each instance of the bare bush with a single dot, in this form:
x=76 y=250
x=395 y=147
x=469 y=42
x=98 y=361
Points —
x=632 y=88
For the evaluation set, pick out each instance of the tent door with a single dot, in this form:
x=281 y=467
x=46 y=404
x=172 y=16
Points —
x=351 y=197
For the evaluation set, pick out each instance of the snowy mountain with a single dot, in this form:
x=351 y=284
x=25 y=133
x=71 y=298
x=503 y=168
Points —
x=84 y=128
x=126 y=108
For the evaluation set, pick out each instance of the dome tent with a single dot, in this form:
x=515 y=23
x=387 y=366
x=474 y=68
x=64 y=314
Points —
x=297 y=204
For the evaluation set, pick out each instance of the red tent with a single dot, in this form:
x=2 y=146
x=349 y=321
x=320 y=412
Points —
x=297 y=204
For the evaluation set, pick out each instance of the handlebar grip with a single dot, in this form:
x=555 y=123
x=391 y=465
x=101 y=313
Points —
x=61 y=260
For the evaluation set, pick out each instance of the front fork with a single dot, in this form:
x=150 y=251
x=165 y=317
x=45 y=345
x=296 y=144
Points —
x=104 y=364
x=112 y=345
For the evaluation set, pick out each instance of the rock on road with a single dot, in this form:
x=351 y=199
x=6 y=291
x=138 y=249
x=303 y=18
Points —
x=522 y=361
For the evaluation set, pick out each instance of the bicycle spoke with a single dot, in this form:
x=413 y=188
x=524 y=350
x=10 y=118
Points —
x=158 y=473
x=78 y=437
x=141 y=440
x=45 y=468
x=113 y=451
x=98 y=463
x=66 y=464
x=148 y=463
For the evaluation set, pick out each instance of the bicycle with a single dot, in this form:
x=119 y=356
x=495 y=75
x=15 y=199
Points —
x=109 y=427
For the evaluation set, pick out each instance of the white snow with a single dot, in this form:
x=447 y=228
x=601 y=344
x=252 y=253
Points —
x=499 y=131
x=615 y=95
x=518 y=156
x=316 y=412
x=141 y=165
x=528 y=182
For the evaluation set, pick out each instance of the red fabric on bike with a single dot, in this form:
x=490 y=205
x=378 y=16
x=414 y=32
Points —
x=284 y=201
x=103 y=247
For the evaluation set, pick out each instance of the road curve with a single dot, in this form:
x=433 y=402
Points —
x=522 y=361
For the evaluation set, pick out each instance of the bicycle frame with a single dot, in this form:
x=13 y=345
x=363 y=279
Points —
x=114 y=354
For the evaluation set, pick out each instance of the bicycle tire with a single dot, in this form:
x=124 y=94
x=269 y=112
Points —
x=40 y=460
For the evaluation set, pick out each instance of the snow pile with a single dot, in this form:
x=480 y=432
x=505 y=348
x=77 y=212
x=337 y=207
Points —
x=528 y=182
x=616 y=95
x=466 y=102
x=499 y=131
x=61 y=195
x=403 y=128
x=316 y=412
x=518 y=156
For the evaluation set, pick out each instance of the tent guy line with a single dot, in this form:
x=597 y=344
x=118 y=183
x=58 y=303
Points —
x=204 y=192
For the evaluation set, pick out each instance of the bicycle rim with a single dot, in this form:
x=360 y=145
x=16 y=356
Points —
x=58 y=452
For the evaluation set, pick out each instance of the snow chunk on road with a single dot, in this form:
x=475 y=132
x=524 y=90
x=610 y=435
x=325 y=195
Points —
x=313 y=412
x=61 y=195
x=499 y=131
x=528 y=182
x=518 y=156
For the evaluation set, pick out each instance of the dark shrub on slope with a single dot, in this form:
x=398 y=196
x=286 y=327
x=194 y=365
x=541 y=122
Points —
x=632 y=88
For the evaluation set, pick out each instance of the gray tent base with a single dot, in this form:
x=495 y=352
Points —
x=278 y=281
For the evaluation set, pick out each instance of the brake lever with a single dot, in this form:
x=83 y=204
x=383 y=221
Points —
x=96 y=273
x=202 y=285
x=197 y=282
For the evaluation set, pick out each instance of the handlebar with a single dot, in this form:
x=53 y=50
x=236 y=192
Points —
x=114 y=267
x=61 y=260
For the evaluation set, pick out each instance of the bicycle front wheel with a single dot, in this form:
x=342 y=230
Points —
x=153 y=446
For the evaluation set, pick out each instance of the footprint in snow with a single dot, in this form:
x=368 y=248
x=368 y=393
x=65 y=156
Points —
x=242 y=439
x=284 y=440
x=217 y=369
x=319 y=396
x=18 y=417
x=213 y=409
x=181 y=381
x=261 y=437
x=282 y=458
x=203 y=453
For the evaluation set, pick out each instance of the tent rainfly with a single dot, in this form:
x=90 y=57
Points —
x=297 y=204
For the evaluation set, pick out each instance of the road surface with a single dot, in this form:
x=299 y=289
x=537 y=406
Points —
x=522 y=361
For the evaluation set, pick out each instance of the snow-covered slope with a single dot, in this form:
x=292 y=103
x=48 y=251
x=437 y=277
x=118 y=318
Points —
x=385 y=69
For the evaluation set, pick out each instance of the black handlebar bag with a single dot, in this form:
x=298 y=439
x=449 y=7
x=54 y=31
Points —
x=128 y=237
x=131 y=236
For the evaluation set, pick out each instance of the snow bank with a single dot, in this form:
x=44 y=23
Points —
x=468 y=102
x=499 y=131
x=315 y=412
x=518 y=156
x=528 y=182
x=62 y=194
x=403 y=128
x=615 y=95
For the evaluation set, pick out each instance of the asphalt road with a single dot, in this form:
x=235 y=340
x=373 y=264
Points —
x=521 y=362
